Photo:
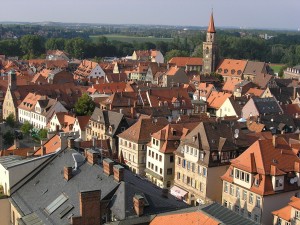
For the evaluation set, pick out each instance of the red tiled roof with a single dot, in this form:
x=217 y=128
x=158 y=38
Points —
x=185 y=218
x=231 y=67
x=186 y=61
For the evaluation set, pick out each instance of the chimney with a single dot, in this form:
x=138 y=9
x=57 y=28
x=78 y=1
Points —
x=71 y=143
x=68 y=173
x=118 y=173
x=17 y=143
x=43 y=150
x=274 y=140
x=108 y=166
x=138 y=203
x=90 y=208
x=92 y=156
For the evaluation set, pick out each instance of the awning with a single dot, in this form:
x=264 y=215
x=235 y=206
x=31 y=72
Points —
x=178 y=192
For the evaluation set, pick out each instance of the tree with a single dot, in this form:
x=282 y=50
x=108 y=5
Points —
x=10 y=120
x=43 y=133
x=84 y=106
x=8 y=138
x=26 y=127
x=281 y=71
x=32 y=46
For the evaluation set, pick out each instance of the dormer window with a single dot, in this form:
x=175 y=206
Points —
x=256 y=182
x=110 y=129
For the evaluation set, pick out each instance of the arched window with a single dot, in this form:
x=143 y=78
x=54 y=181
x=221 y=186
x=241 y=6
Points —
x=207 y=50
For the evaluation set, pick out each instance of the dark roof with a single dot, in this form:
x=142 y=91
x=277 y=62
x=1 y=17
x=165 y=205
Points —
x=109 y=118
x=216 y=136
x=226 y=216
x=122 y=201
x=285 y=94
x=46 y=184
x=267 y=105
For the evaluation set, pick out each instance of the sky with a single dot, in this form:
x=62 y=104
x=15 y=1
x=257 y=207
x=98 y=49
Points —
x=277 y=14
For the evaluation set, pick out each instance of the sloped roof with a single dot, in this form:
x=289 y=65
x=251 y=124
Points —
x=185 y=218
x=211 y=25
x=141 y=131
x=267 y=105
x=231 y=67
x=186 y=61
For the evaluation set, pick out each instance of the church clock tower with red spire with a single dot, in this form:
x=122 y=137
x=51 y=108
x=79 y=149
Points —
x=210 y=48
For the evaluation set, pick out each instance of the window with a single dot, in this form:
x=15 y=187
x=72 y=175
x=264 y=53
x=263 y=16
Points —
x=155 y=168
x=201 y=186
x=204 y=171
x=188 y=165
x=226 y=187
x=156 y=156
x=247 y=178
x=153 y=141
x=225 y=203
x=183 y=163
x=244 y=195
x=171 y=158
x=231 y=189
x=279 y=221
x=148 y=164
x=199 y=169
x=160 y=158
x=188 y=180
x=237 y=192
x=193 y=167
x=191 y=151
x=297 y=214
x=169 y=171
x=258 y=200
x=201 y=155
x=179 y=161
x=187 y=149
x=251 y=198
x=178 y=176
x=149 y=153
x=183 y=178
x=256 y=182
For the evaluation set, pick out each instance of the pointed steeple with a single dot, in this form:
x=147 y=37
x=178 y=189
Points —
x=211 y=26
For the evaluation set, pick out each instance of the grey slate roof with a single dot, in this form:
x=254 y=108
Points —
x=46 y=185
x=226 y=216
x=14 y=160
x=122 y=201
x=267 y=105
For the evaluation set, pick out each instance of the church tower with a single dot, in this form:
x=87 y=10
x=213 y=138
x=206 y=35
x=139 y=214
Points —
x=210 y=48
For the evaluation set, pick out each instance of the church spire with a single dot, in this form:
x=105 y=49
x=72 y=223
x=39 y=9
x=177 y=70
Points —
x=211 y=26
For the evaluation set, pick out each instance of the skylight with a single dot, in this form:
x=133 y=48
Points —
x=56 y=204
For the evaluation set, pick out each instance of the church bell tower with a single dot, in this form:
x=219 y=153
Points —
x=210 y=48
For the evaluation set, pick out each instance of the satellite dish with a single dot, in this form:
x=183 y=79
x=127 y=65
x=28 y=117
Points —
x=236 y=131
x=295 y=179
x=236 y=136
x=292 y=181
x=280 y=181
